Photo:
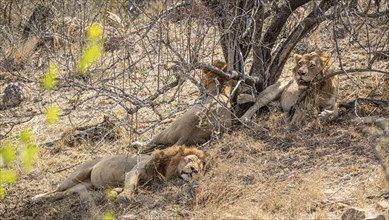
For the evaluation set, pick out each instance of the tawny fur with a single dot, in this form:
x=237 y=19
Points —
x=167 y=160
x=305 y=94
x=129 y=170
x=320 y=96
x=201 y=121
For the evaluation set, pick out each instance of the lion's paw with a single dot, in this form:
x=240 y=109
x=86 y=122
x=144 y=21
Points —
x=38 y=198
x=326 y=114
x=138 y=145
x=122 y=200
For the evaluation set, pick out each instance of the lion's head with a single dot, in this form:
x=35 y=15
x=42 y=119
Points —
x=179 y=161
x=309 y=67
x=188 y=166
x=208 y=77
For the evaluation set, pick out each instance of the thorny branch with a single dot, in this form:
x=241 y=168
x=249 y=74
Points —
x=249 y=34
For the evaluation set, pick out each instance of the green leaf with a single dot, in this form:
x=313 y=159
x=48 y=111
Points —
x=8 y=176
x=49 y=78
x=7 y=153
x=111 y=194
x=94 y=32
x=108 y=215
x=28 y=155
x=52 y=114
x=25 y=136
x=90 y=55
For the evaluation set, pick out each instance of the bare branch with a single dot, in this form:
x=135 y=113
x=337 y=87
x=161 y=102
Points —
x=310 y=22
x=275 y=27
x=338 y=72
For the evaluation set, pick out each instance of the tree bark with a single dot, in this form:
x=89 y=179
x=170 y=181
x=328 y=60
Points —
x=305 y=26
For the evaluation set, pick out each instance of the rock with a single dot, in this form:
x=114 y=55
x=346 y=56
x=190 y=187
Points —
x=127 y=217
x=13 y=95
x=353 y=214
x=376 y=217
x=118 y=190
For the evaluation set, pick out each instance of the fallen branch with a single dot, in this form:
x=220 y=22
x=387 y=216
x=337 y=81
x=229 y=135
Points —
x=377 y=102
x=350 y=71
x=234 y=75
x=372 y=15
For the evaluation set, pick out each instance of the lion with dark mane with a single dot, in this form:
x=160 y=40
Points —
x=128 y=171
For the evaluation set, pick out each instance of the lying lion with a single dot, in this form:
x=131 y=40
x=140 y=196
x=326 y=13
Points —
x=128 y=171
x=199 y=122
x=306 y=93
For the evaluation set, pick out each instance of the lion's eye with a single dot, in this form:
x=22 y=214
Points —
x=312 y=65
x=300 y=63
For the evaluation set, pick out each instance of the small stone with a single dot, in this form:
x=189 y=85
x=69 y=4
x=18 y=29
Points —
x=37 y=99
x=353 y=214
x=13 y=95
x=118 y=190
x=127 y=217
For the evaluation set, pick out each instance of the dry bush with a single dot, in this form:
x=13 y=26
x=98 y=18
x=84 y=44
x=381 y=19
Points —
x=149 y=74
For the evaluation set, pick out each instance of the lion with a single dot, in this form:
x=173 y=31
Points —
x=128 y=171
x=308 y=69
x=201 y=121
x=308 y=91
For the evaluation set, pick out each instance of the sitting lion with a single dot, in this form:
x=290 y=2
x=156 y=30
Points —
x=306 y=93
x=199 y=122
x=128 y=171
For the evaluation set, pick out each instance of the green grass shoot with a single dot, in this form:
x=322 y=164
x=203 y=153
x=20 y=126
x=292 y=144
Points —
x=108 y=215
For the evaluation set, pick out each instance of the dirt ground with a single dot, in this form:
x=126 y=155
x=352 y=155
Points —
x=264 y=171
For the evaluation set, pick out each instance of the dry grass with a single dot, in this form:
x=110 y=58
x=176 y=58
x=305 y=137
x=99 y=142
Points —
x=252 y=175
x=267 y=171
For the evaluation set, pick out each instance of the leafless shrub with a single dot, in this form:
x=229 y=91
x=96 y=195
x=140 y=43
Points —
x=135 y=77
x=149 y=71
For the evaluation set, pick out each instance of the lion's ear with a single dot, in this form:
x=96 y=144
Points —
x=297 y=57
x=181 y=150
x=157 y=153
x=220 y=64
x=324 y=58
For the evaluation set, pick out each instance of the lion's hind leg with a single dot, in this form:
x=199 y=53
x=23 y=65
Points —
x=81 y=189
